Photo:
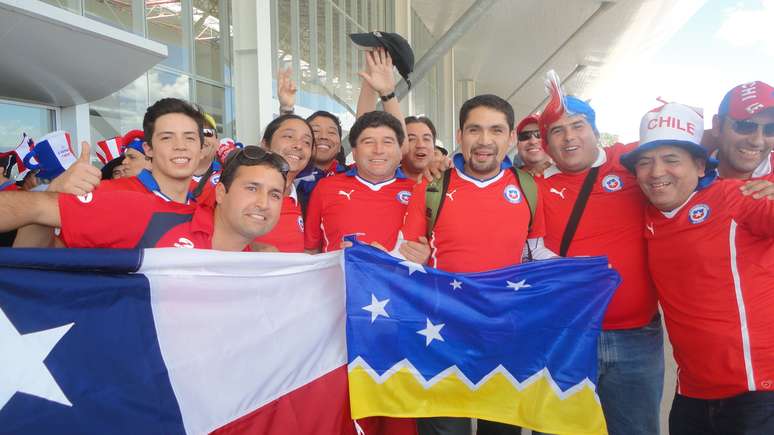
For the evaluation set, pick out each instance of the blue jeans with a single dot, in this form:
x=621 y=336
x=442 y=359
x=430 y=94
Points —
x=631 y=378
x=746 y=414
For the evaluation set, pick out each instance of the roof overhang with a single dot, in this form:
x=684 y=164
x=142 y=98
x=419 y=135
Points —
x=52 y=56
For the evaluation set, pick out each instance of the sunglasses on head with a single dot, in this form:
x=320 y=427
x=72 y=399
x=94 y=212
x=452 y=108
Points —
x=525 y=135
x=252 y=153
x=749 y=127
x=208 y=132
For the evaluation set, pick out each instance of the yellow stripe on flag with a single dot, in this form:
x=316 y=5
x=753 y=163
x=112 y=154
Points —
x=536 y=407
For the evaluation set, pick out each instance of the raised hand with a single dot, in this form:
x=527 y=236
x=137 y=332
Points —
x=378 y=74
x=80 y=178
x=286 y=89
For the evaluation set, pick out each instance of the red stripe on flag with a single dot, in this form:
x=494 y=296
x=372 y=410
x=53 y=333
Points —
x=319 y=407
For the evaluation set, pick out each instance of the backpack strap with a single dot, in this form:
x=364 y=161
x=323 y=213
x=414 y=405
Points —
x=577 y=211
x=434 y=196
x=529 y=188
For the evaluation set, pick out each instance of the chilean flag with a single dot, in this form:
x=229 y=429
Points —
x=173 y=341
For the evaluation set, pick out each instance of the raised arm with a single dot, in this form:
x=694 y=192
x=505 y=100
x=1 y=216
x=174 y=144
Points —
x=380 y=78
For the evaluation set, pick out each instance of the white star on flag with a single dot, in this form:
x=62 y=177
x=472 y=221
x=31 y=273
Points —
x=431 y=332
x=413 y=267
x=21 y=359
x=376 y=308
x=456 y=285
x=516 y=286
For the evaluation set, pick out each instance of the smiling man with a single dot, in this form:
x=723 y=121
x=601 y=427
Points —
x=744 y=132
x=608 y=221
x=248 y=201
x=711 y=254
x=368 y=200
x=529 y=148
x=420 y=145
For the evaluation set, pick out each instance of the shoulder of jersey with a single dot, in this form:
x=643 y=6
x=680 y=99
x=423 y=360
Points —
x=614 y=153
x=130 y=183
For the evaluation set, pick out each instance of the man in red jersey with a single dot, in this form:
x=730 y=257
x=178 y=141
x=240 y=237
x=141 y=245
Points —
x=743 y=130
x=370 y=199
x=711 y=255
x=484 y=220
x=248 y=202
x=631 y=357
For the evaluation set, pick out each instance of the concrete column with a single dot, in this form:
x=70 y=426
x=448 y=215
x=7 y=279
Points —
x=75 y=119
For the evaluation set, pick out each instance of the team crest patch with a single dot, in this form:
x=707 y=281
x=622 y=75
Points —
x=512 y=194
x=86 y=198
x=215 y=179
x=612 y=183
x=300 y=222
x=698 y=213
x=404 y=196
x=183 y=243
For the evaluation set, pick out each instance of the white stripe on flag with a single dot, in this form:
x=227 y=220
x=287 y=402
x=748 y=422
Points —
x=239 y=330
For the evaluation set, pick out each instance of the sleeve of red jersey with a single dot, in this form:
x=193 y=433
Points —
x=313 y=219
x=415 y=222
x=757 y=215
x=104 y=219
x=539 y=220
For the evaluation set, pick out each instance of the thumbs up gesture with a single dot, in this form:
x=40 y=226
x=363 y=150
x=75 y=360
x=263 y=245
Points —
x=80 y=178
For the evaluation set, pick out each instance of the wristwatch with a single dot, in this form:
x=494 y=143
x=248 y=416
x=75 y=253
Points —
x=387 y=97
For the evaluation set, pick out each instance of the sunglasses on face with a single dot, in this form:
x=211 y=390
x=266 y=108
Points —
x=525 y=135
x=750 y=127
x=252 y=153
x=208 y=132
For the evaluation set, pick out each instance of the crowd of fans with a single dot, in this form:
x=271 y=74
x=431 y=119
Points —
x=684 y=215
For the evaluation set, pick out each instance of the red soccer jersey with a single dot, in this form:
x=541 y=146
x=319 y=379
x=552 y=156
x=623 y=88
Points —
x=482 y=225
x=288 y=234
x=611 y=225
x=713 y=264
x=131 y=184
x=133 y=220
x=346 y=204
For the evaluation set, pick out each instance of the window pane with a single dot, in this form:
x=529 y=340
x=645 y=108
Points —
x=70 y=5
x=165 y=25
x=16 y=119
x=162 y=84
x=116 y=13
x=120 y=112
x=212 y=100
x=207 y=40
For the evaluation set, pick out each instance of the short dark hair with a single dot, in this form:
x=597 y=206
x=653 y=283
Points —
x=165 y=106
x=107 y=170
x=491 y=101
x=328 y=115
x=275 y=124
x=373 y=119
x=423 y=120
x=242 y=157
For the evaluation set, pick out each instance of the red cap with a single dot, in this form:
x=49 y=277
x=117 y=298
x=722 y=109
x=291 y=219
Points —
x=746 y=100
x=531 y=119
x=132 y=135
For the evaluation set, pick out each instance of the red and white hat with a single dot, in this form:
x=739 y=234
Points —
x=109 y=149
x=744 y=101
x=670 y=124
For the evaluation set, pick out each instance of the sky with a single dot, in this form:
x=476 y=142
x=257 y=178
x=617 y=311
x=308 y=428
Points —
x=725 y=43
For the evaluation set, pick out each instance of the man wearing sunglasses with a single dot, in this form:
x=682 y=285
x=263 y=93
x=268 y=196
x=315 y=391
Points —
x=248 y=201
x=528 y=146
x=743 y=129
x=208 y=165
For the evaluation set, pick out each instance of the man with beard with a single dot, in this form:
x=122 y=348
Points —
x=528 y=146
x=485 y=220
x=743 y=129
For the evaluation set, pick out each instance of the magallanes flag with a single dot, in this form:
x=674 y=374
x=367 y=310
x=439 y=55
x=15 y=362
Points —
x=516 y=345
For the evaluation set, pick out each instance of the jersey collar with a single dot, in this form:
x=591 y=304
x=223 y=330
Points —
x=293 y=194
x=150 y=183
x=673 y=213
x=601 y=160
x=399 y=175
x=459 y=166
